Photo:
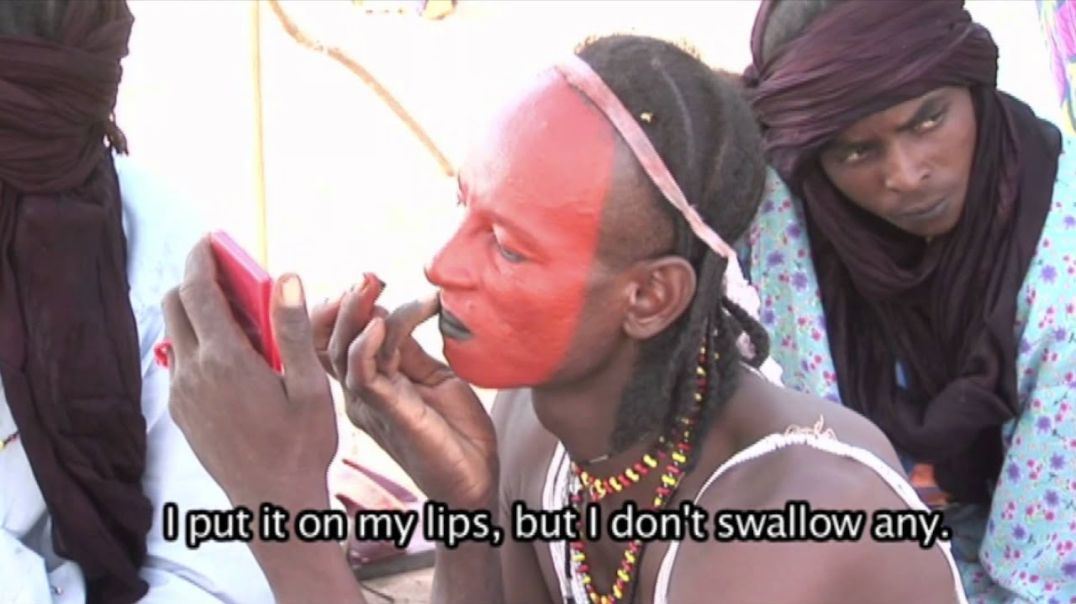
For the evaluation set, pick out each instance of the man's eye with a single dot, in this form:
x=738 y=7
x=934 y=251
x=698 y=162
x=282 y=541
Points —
x=853 y=155
x=507 y=253
x=928 y=123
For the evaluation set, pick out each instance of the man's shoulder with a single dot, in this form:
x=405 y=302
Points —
x=785 y=409
x=809 y=466
x=775 y=550
x=843 y=477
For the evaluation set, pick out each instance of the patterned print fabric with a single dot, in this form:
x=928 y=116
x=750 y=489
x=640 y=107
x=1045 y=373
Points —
x=1058 y=19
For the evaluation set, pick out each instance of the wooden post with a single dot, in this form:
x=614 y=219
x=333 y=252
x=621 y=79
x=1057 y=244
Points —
x=262 y=211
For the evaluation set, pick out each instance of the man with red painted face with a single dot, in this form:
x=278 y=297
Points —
x=587 y=282
x=913 y=274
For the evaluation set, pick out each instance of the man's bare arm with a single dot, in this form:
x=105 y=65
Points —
x=467 y=574
x=306 y=572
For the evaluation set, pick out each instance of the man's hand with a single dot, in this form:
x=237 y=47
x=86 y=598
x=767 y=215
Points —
x=428 y=419
x=415 y=407
x=263 y=437
x=260 y=435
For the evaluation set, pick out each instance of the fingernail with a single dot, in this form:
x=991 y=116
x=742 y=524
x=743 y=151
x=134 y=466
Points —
x=368 y=279
x=291 y=291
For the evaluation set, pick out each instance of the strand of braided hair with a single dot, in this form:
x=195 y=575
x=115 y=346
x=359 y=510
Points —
x=705 y=133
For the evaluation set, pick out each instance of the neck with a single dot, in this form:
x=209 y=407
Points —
x=582 y=413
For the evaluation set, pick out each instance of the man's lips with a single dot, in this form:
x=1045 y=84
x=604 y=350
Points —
x=451 y=327
x=924 y=211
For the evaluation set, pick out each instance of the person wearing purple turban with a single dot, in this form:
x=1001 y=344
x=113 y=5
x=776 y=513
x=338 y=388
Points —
x=913 y=268
x=88 y=452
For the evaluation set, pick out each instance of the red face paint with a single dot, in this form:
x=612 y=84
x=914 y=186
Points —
x=514 y=277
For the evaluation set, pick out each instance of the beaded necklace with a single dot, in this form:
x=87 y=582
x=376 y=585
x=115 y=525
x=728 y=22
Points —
x=678 y=452
x=600 y=488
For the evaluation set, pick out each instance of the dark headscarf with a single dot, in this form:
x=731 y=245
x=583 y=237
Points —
x=946 y=310
x=69 y=351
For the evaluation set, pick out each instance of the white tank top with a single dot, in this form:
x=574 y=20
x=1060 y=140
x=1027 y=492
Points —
x=554 y=496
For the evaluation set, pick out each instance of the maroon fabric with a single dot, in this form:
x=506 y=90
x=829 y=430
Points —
x=69 y=353
x=946 y=310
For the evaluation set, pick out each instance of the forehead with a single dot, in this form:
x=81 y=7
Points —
x=899 y=117
x=549 y=148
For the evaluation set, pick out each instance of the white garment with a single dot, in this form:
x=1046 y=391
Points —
x=554 y=496
x=159 y=232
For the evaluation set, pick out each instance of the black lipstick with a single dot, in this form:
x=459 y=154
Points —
x=451 y=327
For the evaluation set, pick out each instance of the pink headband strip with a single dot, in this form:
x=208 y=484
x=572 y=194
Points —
x=585 y=80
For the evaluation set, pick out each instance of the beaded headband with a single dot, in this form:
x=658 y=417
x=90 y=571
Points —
x=581 y=77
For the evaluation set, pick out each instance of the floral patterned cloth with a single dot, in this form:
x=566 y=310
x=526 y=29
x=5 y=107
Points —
x=1058 y=20
x=1023 y=548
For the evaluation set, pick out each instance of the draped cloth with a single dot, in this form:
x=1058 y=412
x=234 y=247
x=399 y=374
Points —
x=943 y=310
x=69 y=351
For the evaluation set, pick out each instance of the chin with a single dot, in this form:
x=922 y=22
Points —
x=943 y=226
x=482 y=370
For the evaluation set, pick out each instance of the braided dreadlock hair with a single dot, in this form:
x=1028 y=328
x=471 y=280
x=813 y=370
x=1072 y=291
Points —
x=705 y=133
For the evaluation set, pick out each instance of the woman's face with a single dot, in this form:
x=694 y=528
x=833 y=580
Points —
x=909 y=164
x=515 y=276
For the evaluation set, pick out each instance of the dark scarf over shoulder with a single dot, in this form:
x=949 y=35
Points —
x=69 y=350
x=946 y=310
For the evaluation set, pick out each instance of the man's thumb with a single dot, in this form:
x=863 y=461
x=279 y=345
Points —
x=303 y=375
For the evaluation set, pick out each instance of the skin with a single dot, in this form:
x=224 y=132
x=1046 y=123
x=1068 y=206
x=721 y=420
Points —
x=432 y=423
x=512 y=280
x=220 y=382
x=909 y=164
x=863 y=571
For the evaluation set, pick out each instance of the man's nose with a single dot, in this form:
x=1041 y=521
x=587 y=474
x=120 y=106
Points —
x=454 y=266
x=905 y=170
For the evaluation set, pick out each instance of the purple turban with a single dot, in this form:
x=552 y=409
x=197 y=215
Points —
x=946 y=310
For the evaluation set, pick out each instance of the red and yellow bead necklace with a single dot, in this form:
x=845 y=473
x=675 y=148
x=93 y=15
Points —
x=677 y=452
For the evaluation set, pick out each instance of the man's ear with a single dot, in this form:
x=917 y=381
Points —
x=661 y=290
